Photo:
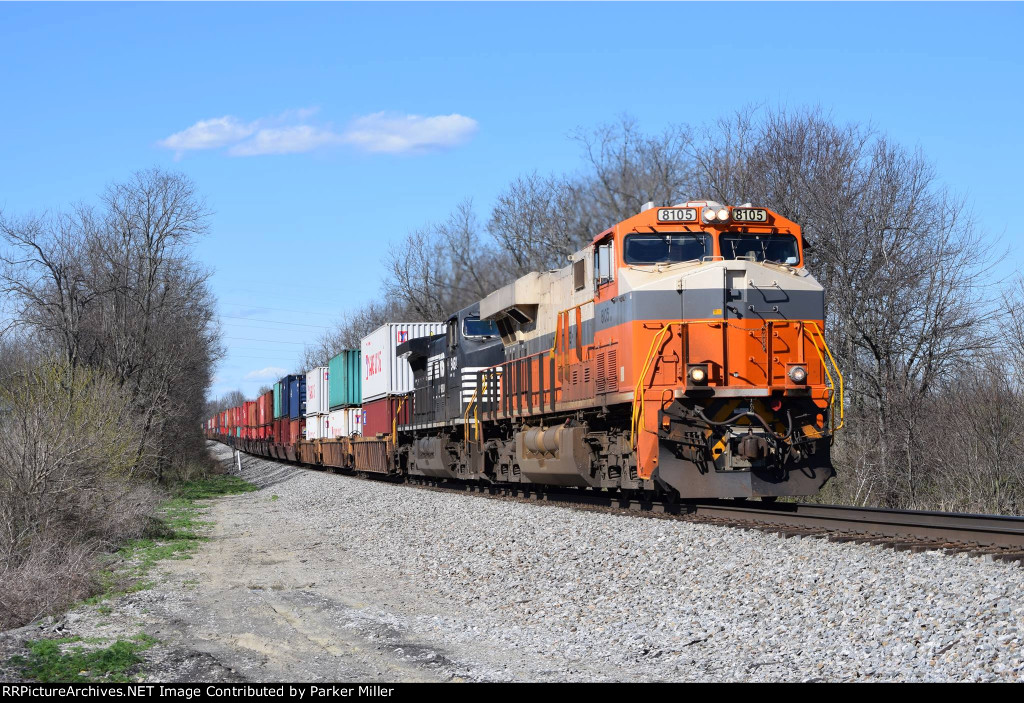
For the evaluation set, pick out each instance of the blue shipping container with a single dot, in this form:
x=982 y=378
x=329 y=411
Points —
x=286 y=395
x=296 y=397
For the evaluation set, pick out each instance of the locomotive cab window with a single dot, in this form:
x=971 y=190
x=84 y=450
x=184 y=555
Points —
x=475 y=327
x=778 y=248
x=666 y=248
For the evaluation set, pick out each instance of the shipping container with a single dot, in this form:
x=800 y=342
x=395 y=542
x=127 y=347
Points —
x=296 y=397
x=282 y=431
x=346 y=386
x=317 y=393
x=316 y=427
x=345 y=422
x=278 y=396
x=293 y=396
x=297 y=430
x=383 y=373
x=265 y=409
x=379 y=415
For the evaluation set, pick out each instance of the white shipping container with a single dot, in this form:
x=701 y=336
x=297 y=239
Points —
x=317 y=399
x=317 y=427
x=345 y=422
x=383 y=372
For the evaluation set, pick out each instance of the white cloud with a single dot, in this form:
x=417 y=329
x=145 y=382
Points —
x=398 y=134
x=285 y=140
x=208 y=134
x=290 y=133
x=266 y=373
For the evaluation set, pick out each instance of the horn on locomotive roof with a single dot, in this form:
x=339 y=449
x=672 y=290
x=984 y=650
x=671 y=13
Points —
x=700 y=203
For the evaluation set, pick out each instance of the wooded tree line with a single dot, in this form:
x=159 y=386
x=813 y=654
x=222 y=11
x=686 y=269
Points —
x=105 y=362
x=930 y=345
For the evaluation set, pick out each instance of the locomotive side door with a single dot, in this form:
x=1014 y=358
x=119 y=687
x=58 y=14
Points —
x=453 y=385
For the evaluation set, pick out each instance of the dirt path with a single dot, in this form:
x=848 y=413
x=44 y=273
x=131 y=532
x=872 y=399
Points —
x=265 y=599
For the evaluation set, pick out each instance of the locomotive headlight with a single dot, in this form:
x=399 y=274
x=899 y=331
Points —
x=708 y=214
x=723 y=214
x=798 y=374
x=697 y=374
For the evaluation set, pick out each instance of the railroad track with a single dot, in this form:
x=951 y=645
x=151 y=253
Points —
x=995 y=537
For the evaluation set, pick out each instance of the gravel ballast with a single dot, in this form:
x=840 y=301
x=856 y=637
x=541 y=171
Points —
x=326 y=578
x=516 y=591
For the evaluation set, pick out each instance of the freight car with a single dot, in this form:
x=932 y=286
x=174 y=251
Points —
x=681 y=352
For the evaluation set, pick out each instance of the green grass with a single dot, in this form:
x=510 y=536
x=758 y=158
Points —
x=177 y=533
x=48 y=662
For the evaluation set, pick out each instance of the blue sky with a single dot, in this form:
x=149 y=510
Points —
x=333 y=129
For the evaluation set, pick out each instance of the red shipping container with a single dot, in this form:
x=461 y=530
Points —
x=296 y=429
x=249 y=410
x=379 y=415
x=282 y=431
x=265 y=409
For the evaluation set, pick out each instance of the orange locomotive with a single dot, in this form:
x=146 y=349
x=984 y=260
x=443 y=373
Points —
x=683 y=350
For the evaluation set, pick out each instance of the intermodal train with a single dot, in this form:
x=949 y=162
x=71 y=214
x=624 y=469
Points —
x=680 y=353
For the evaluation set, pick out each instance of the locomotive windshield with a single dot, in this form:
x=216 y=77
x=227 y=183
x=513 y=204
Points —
x=475 y=327
x=780 y=248
x=666 y=248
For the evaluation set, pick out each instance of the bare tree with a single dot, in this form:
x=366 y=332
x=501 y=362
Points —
x=626 y=168
x=117 y=290
x=350 y=330
x=45 y=275
x=538 y=222
x=443 y=267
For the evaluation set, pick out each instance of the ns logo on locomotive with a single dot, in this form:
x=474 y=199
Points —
x=681 y=352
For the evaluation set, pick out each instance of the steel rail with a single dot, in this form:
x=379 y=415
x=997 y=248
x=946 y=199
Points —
x=983 y=530
x=924 y=528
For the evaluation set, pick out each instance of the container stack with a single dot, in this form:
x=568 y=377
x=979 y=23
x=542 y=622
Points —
x=289 y=408
x=297 y=406
x=265 y=415
x=249 y=419
x=344 y=395
x=387 y=381
x=317 y=395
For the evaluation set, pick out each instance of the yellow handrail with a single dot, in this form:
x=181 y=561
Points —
x=394 y=421
x=465 y=418
x=475 y=407
x=832 y=384
x=638 y=391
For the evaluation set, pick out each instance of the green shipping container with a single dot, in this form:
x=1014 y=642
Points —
x=277 y=400
x=345 y=380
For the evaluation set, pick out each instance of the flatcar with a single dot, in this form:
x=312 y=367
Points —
x=681 y=352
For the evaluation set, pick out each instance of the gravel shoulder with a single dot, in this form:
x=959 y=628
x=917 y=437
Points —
x=319 y=577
